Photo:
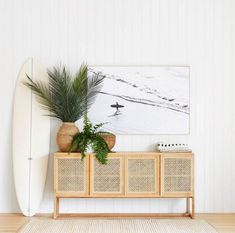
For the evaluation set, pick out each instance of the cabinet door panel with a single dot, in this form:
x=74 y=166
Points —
x=142 y=175
x=71 y=176
x=107 y=179
x=177 y=175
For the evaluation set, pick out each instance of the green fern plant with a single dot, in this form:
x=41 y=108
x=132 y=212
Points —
x=66 y=97
x=91 y=136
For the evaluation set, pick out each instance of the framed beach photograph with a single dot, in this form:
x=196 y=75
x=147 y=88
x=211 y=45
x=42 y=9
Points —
x=143 y=99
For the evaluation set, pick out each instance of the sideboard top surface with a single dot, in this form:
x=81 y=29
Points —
x=129 y=153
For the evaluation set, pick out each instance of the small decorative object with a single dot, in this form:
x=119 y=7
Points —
x=67 y=98
x=91 y=139
x=172 y=147
x=143 y=99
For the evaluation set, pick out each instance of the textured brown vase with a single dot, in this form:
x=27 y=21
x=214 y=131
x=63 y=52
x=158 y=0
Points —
x=65 y=135
x=110 y=139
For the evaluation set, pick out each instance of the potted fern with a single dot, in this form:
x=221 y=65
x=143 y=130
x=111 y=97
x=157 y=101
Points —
x=66 y=97
x=91 y=140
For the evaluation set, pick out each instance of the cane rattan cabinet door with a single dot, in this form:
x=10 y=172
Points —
x=71 y=175
x=177 y=174
x=142 y=175
x=107 y=179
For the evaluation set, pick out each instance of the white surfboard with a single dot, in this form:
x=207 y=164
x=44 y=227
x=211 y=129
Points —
x=31 y=141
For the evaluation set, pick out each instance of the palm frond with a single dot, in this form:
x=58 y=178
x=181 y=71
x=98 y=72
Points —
x=94 y=86
x=80 y=80
x=43 y=95
x=66 y=98
x=60 y=85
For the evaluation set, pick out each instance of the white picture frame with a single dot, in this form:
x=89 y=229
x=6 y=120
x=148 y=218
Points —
x=143 y=100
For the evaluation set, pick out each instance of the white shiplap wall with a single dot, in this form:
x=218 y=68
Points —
x=199 y=33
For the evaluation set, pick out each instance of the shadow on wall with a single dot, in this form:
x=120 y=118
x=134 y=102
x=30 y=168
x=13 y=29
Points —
x=9 y=164
x=47 y=201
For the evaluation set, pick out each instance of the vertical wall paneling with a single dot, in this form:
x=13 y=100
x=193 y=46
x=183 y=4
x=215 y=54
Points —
x=208 y=97
x=227 y=108
x=199 y=33
x=218 y=103
x=232 y=62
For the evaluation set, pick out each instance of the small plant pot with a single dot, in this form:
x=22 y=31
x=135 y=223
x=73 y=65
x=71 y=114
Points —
x=110 y=139
x=65 y=135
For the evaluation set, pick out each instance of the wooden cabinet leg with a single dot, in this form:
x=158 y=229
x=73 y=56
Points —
x=54 y=213
x=193 y=208
x=56 y=207
x=187 y=205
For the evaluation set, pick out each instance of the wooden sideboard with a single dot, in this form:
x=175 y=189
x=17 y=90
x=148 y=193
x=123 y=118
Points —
x=127 y=174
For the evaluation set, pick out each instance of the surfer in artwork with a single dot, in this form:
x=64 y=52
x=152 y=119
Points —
x=117 y=106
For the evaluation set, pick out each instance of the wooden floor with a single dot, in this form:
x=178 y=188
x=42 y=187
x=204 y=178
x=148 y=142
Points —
x=223 y=223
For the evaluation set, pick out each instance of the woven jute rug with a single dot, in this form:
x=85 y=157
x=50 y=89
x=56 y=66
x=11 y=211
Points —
x=117 y=226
